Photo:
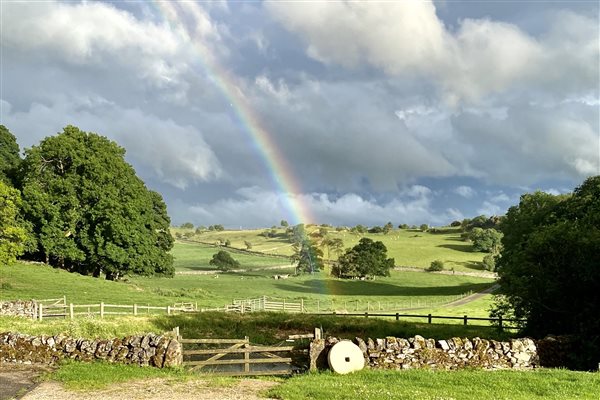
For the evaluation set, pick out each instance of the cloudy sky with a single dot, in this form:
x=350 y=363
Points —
x=244 y=113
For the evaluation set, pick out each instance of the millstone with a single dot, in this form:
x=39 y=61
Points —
x=345 y=357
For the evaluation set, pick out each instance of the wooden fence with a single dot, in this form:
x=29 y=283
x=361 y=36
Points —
x=265 y=304
x=102 y=309
x=464 y=319
x=237 y=359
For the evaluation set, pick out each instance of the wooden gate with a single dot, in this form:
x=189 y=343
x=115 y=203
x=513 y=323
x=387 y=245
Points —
x=239 y=358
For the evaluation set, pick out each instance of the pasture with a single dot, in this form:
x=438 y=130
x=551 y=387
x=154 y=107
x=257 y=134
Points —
x=409 y=247
x=401 y=290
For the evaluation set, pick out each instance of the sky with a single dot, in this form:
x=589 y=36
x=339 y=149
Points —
x=246 y=113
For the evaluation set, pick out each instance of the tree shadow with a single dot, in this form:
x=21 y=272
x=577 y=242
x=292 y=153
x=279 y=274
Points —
x=466 y=248
x=471 y=265
x=455 y=239
x=340 y=287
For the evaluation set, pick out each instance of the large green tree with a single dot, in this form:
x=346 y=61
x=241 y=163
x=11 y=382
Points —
x=366 y=259
x=9 y=155
x=550 y=265
x=487 y=240
x=13 y=236
x=89 y=210
x=307 y=256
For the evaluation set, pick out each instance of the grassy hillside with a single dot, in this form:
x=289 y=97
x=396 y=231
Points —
x=402 y=288
x=196 y=257
x=408 y=247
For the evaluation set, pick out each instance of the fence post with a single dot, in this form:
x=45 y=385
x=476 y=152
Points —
x=301 y=305
x=41 y=310
x=246 y=357
x=71 y=314
x=500 y=321
x=135 y=309
x=101 y=309
x=397 y=316
x=169 y=310
x=429 y=318
x=366 y=314
x=465 y=319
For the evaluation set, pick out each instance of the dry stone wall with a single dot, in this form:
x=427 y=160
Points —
x=418 y=352
x=144 y=350
x=19 y=308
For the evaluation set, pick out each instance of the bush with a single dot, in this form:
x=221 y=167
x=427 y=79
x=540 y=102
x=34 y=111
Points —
x=489 y=263
x=424 y=227
x=224 y=261
x=437 y=265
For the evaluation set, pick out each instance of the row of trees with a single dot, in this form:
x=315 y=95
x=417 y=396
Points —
x=75 y=203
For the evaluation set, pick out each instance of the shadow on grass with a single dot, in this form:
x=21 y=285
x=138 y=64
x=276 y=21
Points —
x=472 y=265
x=467 y=248
x=366 y=288
x=274 y=327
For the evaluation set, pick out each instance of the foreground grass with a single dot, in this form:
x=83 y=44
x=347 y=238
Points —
x=368 y=384
x=263 y=328
x=99 y=375
x=447 y=385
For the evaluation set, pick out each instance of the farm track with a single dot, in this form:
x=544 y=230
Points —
x=473 y=297
x=198 y=389
x=214 y=271
x=479 y=274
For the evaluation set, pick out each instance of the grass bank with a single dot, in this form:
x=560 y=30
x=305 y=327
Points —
x=547 y=384
x=263 y=328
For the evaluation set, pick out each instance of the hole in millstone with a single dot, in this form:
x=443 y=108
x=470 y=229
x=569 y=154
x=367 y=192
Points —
x=347 y=359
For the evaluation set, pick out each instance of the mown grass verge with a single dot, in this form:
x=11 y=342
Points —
x=547 y=384
x=99 y=375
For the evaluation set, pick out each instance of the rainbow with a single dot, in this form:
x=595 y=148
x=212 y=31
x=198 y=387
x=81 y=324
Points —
x=280 y=172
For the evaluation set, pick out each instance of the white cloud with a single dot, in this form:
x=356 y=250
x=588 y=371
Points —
x=489 y=209
x=176 y=154
x=500 y=198
x=407 y=38
x=101 y=37
x=253 y=204
x=465 y=191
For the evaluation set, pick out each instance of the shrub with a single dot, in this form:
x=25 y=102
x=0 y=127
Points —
x=224 y=261
x=489 y=263
x=437 y=265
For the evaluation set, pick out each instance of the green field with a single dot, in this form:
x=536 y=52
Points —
x=408 y=247
x=401 y=290
x=196 y=257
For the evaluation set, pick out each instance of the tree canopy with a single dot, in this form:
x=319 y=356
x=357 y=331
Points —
x=89 y=210
x=224 y=261
x=307 y=256
x=487 y=240
x=9 y=156
x=550 y=265
x=12 y=233
x=366 y=259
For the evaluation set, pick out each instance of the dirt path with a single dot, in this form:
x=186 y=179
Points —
x=214 y=271
x=478 y=274
x=473 y=297
x=18 y=379
x=244 y=389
